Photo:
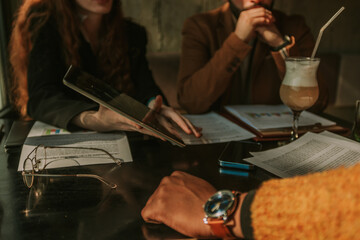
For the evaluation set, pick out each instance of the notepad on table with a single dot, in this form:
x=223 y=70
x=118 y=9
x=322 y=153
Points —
x=275 y=121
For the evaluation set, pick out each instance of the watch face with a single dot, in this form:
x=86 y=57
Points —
x=219 y=203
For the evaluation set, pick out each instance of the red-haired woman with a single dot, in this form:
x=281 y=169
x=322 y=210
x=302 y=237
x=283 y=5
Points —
x=49 y=36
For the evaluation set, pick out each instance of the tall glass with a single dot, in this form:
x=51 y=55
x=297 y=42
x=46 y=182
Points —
x=299 y=89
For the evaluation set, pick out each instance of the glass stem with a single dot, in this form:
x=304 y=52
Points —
x=294 y=133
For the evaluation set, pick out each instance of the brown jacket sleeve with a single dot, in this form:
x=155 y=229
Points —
x=204 y=78
x=318 y=206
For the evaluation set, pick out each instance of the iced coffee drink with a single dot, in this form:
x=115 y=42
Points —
x=299 y=89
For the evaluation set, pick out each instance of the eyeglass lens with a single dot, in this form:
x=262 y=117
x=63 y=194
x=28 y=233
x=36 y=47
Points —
x=28 y=172
x=38 y=161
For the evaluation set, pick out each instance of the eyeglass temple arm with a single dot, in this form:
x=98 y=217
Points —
x=109 y=184
x=116 y=160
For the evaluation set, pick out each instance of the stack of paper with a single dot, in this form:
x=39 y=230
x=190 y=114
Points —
x=310 y=153
x=43 y=134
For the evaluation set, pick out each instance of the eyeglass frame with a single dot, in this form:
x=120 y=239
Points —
x=35 y=171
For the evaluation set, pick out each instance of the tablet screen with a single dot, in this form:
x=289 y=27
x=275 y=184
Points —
x=104 y=94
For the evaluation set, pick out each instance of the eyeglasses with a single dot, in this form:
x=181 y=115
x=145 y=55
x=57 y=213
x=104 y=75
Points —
x=38 y=159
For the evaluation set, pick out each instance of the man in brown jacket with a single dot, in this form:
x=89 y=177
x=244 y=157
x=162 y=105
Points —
x=235 y=55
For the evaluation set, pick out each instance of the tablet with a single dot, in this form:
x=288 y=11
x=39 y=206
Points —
x=104 y=94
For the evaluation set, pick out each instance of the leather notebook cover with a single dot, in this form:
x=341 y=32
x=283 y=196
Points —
x=17 y=135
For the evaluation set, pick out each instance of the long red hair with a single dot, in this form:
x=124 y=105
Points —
x=33 y=14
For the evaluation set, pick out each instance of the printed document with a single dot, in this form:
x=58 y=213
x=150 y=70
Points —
x=263 y=117
x=310 y=153
x=90 y=152
x=215 y=129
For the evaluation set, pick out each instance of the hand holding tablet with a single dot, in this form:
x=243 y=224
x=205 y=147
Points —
x=138 y=114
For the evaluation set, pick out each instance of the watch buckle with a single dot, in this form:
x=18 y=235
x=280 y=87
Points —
x=210 y=221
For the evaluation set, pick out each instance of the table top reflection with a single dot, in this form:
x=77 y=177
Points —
x=82 y=208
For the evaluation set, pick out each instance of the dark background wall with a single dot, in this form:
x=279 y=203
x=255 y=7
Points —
x=164 y=18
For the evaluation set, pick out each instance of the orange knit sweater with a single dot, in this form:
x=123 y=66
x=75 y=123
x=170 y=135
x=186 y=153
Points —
x=318 y=206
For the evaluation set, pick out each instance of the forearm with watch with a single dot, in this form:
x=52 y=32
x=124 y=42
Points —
x=228 y=214
x=284 y=47
x=281 y=52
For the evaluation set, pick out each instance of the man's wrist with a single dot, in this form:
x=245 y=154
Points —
x=220 y=211
x=81 y=120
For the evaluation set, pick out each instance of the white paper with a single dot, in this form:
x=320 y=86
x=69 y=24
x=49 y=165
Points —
x=274 y=116
x=334 y=135
x=216 y=129
x=310 y=153
x=43 y=134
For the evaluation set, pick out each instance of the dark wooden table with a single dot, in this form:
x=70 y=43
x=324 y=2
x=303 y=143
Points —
x=74 y=208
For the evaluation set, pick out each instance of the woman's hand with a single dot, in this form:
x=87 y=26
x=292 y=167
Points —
x=178 y=203
x=158 y=106
x=105 y=120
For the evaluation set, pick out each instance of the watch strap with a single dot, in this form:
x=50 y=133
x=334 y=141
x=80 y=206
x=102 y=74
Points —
x=219 y=228
x=287 y=41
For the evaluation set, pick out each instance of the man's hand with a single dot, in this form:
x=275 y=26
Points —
x=178 y=203
x=270 y=35
x=249 y=20
x=258 y=21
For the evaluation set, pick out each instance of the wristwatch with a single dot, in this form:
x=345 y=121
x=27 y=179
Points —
x=287 y=41
x=219 y=209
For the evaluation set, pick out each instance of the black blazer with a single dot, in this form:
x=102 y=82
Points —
x=52 y=102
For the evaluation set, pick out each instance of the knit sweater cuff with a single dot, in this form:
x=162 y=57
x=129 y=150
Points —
x=245 y=217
